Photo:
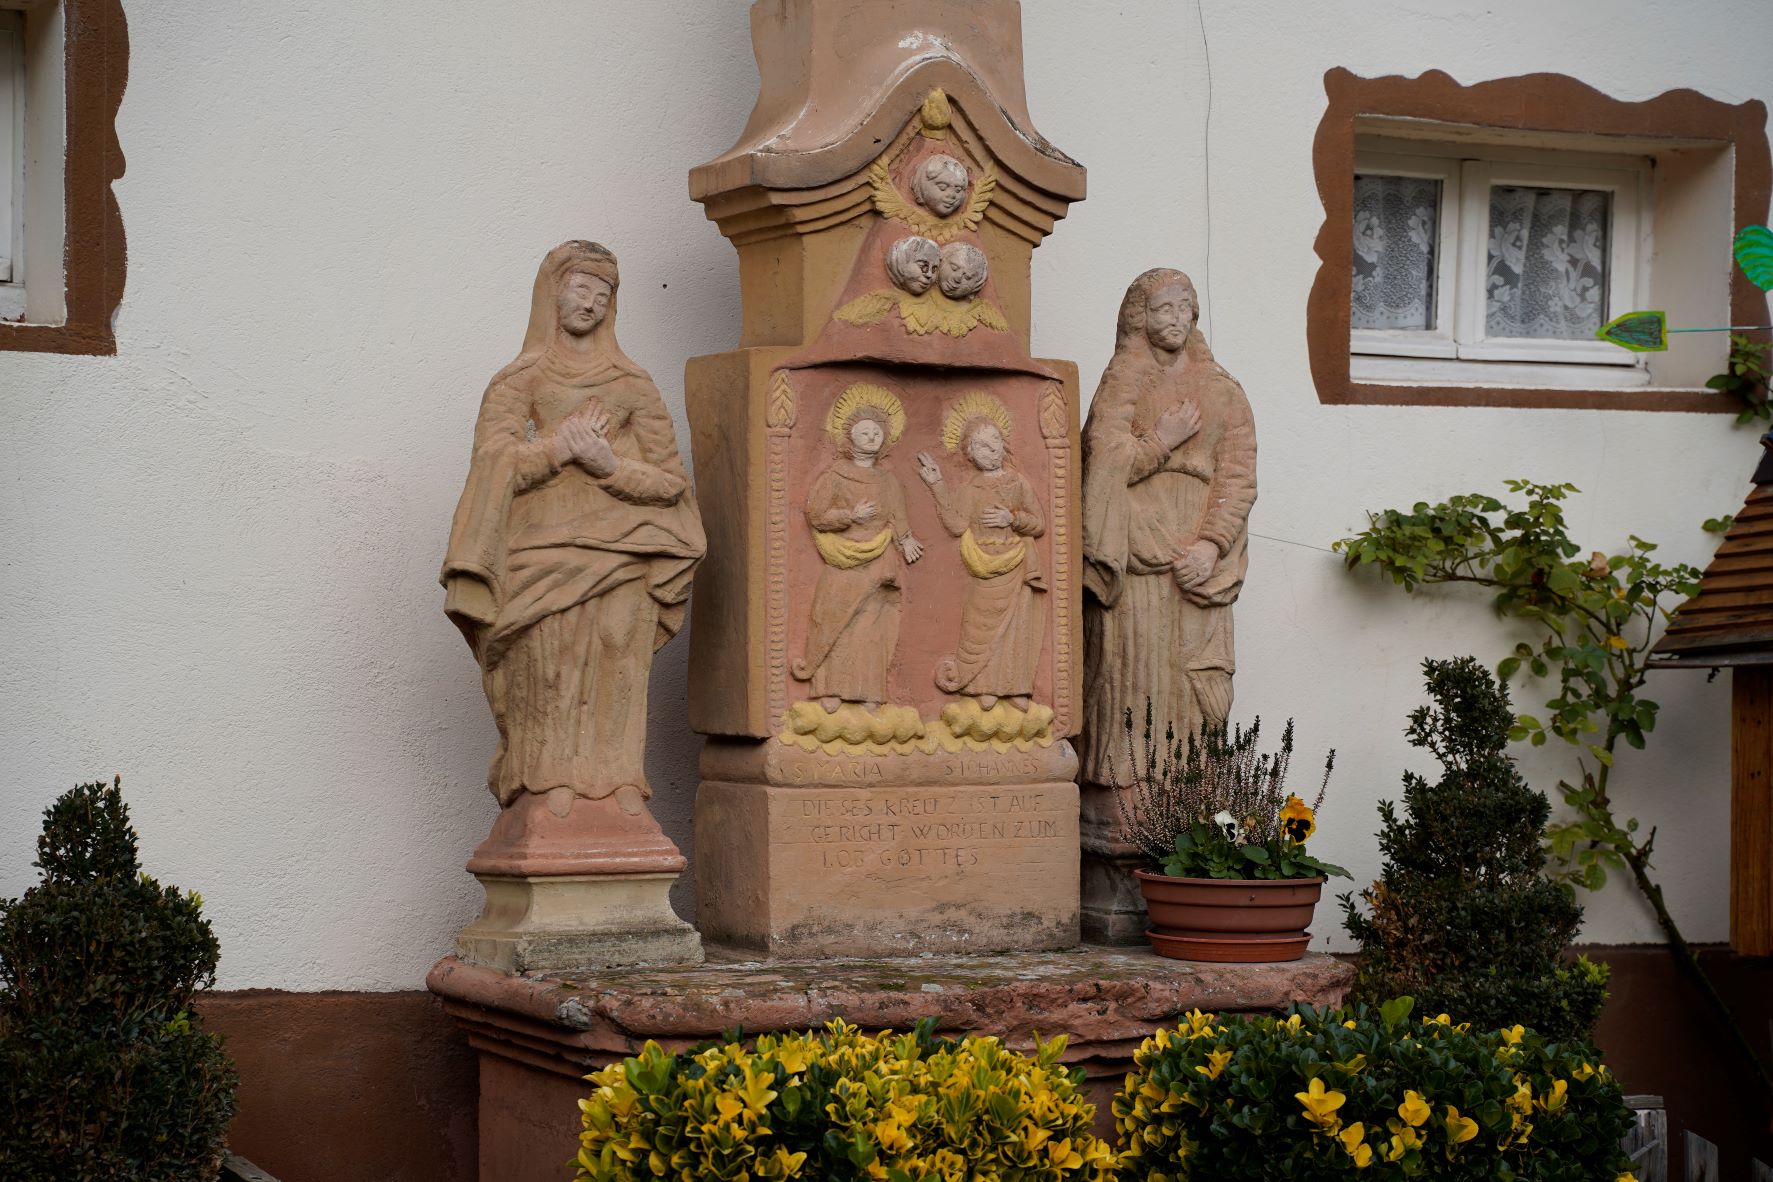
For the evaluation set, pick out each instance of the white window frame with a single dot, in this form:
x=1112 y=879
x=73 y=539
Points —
x=1458 y=348
x=12 y=153
x=1419 y=342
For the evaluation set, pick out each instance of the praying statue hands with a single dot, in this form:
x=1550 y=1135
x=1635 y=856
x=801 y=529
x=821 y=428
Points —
x=1177 y=425
x=583 y=437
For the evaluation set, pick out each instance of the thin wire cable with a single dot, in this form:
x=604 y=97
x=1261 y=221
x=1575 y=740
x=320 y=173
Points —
x=1291 y=542
x=1206 y=153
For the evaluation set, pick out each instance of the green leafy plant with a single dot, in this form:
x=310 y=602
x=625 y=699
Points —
x=838 y=1105
x=1370 y=1094
x=1463 y=917
x=1218 y=806
x=1746 y=377
x=104 y=1072
x=1599 y=619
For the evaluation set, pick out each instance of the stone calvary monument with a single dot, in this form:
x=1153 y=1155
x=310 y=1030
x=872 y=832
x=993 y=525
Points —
x=886 y=653
x=914 y=588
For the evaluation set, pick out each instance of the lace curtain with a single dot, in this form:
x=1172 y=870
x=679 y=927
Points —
x=1396 y=231
x=1547 y=262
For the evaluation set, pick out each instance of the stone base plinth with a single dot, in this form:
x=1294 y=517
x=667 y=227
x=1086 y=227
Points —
x=801 y=854
x=538 y=1035
x=577 y=921
x=1112 y=909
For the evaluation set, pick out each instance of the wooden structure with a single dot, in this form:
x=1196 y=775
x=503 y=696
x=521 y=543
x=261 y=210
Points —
x=1729 y=623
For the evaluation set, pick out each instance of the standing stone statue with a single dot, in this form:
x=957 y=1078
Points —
x=569 y=564
x=1169 y=479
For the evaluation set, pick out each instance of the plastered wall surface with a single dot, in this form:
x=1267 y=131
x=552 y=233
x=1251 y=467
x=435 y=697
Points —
x=218 y=549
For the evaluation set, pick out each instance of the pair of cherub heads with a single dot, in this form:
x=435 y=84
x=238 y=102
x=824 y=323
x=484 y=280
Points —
x=916 y=264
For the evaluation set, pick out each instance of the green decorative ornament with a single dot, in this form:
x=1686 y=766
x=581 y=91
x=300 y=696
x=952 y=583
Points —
x=1641 y=332
x=1754 y=254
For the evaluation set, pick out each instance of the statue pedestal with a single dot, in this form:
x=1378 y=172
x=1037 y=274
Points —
x=577 y=921
x=802 y=854
x=587 y=887
x=1112 y=909
x=538 y=1036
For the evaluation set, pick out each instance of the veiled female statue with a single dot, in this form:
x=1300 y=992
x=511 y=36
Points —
x=994 y=513
x=572 y=548
x=1169 y=456
x=857 y=513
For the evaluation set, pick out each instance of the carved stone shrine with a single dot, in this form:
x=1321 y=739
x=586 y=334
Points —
x=885 y=653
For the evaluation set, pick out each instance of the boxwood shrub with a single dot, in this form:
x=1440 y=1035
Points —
x=837 y=1105
x=1368 y=1094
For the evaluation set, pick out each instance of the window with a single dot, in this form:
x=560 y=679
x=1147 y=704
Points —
x=1497 y=259
x=12 y=137
x=1474 y=238
x=63 y=65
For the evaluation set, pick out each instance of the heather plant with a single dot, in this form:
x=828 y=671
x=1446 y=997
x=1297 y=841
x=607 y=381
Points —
x=104 y=1071
x=1463 y=916
x=838 y=1105
x=1218 y=806
x=1369 y=1094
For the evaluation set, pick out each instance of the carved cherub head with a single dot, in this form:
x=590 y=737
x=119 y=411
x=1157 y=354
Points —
x=940 y=185
x=963 y=270
x=912 y=264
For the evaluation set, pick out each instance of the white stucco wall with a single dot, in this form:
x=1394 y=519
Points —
x=218 y=549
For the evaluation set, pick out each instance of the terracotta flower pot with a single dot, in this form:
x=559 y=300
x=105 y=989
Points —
x=1229 y=919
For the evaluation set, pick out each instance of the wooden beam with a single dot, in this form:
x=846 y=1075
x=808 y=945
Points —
x=1751 y=811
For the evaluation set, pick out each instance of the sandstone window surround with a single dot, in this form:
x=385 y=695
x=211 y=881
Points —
x=63 y=65
x=1444 y=205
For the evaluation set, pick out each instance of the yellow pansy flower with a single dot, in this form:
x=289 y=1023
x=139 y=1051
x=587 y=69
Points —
x=1512 y=1036
x=1554 y=1099
x=1296 y=822
x=1414 y=1109
x=1321 y=1104
x=1460 y=1129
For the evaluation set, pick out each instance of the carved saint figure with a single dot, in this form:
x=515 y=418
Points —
x=994 y=513
x=857 y=512
x=1169 y=478
x=573 y=544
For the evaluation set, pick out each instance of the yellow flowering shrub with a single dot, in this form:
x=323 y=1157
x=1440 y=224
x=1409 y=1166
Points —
x=836 y=1105
x=1367 y=1094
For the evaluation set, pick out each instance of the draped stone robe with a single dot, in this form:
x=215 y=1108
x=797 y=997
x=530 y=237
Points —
x=854 y=627
x=589 y=575
x=1003 y=619
x=1145 y=637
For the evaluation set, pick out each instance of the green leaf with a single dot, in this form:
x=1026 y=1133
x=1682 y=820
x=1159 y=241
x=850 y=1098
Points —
x=1753 y=247
x=1256 y=854
x=1395 y=1011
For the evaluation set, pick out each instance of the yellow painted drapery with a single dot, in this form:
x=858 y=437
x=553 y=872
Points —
x=982 y=564
x=845 y=554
